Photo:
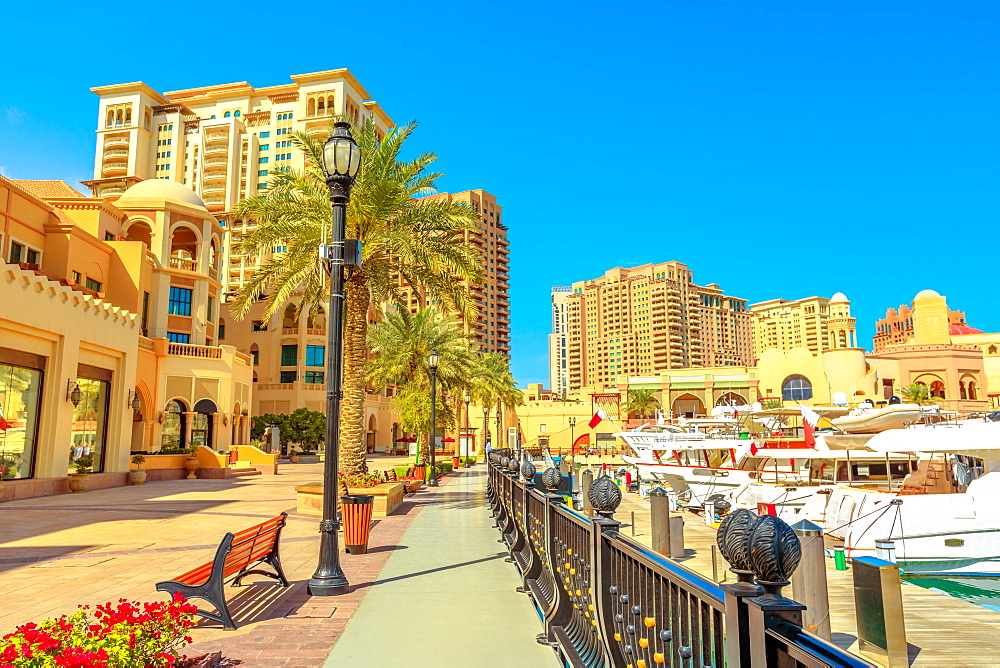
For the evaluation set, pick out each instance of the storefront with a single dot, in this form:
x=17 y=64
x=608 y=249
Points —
x=21 y=377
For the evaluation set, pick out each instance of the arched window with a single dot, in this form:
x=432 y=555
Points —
x=312 y=107
x=290 y=319
x=128 y=115
x=174 y=422
x=962 y=394
x=796 y=388
x=937 y=389
x=226 y=115
x=111 y=118
x=255 y=355
x=993 y=350
x=972 y=391
x=236 y=113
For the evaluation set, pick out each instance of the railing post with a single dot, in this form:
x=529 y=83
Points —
x=519 y=504
x=605 y=497
x=560 y=609
x=586 y=480
x=533 y=567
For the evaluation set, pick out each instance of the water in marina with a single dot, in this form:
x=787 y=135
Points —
x=982 y=591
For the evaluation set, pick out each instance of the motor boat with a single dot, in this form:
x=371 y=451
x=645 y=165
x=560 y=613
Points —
x=875 y=419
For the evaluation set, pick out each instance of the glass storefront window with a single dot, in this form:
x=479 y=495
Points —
x=200 y=430
x=173 y=426
x=20 y=391
x=90 y=418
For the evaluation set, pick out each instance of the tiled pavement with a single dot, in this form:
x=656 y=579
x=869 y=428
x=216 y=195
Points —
x=58 y=552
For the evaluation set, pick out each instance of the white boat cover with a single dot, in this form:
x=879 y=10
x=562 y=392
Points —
x=976 y=439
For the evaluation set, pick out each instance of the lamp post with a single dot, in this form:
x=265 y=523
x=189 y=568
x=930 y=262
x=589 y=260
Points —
x=341 y=160
x=433 y=360
x=572 y=440
x=468 y=434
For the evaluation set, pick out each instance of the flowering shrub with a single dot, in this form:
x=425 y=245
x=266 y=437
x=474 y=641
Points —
x=5 y=471
x=126 y=634
x=361 y=479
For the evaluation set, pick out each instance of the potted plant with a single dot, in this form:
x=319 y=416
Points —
x=294 y=455
x=138 y=476
x=80 y=481
x=191 y=463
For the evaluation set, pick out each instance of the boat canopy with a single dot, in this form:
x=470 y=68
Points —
x=976 y=439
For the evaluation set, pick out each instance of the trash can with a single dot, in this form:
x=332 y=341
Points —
x=357 y=515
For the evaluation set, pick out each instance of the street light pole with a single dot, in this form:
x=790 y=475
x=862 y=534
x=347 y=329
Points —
x=468 y=432
x=434 y=360
x=572 y=440
x=341 y=160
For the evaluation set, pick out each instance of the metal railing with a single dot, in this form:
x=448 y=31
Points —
x=605 y=600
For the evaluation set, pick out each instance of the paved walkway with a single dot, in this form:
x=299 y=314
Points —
x=446 y=598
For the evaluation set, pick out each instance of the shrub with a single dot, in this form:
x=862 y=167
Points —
x=469 y=461
x=444 y=467
x=361 y=479
x=126 y=634
x=138 y=460
x=84 y=463
x=401 y=471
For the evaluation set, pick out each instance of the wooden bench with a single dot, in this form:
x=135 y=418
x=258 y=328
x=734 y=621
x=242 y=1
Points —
x=235 y=558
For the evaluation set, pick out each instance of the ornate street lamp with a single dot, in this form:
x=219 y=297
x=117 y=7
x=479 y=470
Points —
x=468 y=434
x=433 y=360
x=341 y=160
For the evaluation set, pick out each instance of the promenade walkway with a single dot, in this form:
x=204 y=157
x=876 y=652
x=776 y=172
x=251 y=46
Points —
x=448 y=598
x=445 y=591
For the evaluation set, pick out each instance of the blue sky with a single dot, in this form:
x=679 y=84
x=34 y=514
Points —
x=781 y=149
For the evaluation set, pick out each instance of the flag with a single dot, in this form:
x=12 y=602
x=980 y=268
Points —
x=810 y=419
x=753 y=447
x=598 y=416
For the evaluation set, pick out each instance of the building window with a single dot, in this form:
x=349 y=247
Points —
x=314 y=377
x=289 y=355
x=315 y=356
x=796 y=388
x=259 y=326
x=20 y=394
x=262 y=172
x=288 y=377
x=178 y=337
x=93 y=285
x=226 y=115
x=264 y=147
x=89 y=423
x=209 y=312
x=262 y=161
x=179 y=302
x=76 y=277
x=22 y=253
x=145 y=313
x=172 y=434
x=264 y=135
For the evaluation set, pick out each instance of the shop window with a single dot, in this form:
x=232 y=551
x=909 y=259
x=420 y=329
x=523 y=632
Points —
x=90 y=423
x=174 y=423
x=20 y=390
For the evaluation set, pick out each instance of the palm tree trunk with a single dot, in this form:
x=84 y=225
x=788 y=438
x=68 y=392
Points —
x=486 y=426
x=352 y=417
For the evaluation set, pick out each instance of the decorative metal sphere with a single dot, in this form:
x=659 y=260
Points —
x=512 y=466
x=552 y=479
x=504 y=462
x=604 y=496
x=732 y=538
x=528 y=471
x=775 y=550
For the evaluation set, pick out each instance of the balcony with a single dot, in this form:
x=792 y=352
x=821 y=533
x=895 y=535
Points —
x=115 y=169
x=116 y=141
x=219 y=189
x=108 y=153
x=216 y=137
x=214 y=201
x=217 y=149
x=216 y=162
x=112 y=192
x=190 y=350
x=183 y=263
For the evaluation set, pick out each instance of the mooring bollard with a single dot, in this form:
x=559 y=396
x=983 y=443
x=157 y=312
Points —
x=878 y=602
x=659 y=517
x=586 y=479
x=809 y=585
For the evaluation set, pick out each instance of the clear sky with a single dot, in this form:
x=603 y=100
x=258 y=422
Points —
x=781 y=149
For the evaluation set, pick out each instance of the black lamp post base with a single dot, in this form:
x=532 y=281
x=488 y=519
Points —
x=328 y=586
x=433 y=482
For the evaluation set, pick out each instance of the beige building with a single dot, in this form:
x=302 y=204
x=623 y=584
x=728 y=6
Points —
x=119 y=301
x=815 y=323
x=220 y=141
x=491 y=331
x=644 y=320
x=897 y=327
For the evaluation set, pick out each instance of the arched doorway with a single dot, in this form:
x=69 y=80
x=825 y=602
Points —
x=173 y=435
x=370 y=435
x=203 y=423
x=138 y=425
x=732 y=399
x=688 y=405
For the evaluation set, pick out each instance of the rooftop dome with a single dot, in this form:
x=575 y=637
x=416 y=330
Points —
x=964 y=329
x=165 y=189
x=839 y=297
x=926 y=293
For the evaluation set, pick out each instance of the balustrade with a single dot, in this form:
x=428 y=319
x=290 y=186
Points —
x=608 y=601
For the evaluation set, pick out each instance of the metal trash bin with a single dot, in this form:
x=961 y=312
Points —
x=357 y=515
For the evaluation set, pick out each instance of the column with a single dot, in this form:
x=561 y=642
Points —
x=188 y=425
x=216 y=425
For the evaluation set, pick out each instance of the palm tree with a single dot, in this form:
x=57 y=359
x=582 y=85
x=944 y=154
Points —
x=916 y=393
x=492 y=385
x=642 y=403
x=406 y=241
x=401 y=344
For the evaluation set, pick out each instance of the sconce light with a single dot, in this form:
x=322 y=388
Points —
x=73 y=393
x=225 y=419
x=133 y=401
x=161 y=416
x=244 y=412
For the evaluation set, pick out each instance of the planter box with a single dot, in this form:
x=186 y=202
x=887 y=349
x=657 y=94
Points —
x=388 y=497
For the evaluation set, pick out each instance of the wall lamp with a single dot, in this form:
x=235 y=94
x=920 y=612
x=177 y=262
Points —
x=73 y=393
x=133 y=401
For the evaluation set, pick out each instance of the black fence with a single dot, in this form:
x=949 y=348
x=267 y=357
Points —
x=605 y=600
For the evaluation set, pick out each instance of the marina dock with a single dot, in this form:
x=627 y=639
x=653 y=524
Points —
x=941 y=630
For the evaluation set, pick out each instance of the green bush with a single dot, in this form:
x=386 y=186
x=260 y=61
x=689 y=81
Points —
x=400 y=470
x=444 y=467
x=469 y=461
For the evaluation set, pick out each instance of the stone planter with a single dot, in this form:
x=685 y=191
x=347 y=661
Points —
x=79 y=482
x=388 y=497
x=294 y=459
x=136 y=477
x=191 y=464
